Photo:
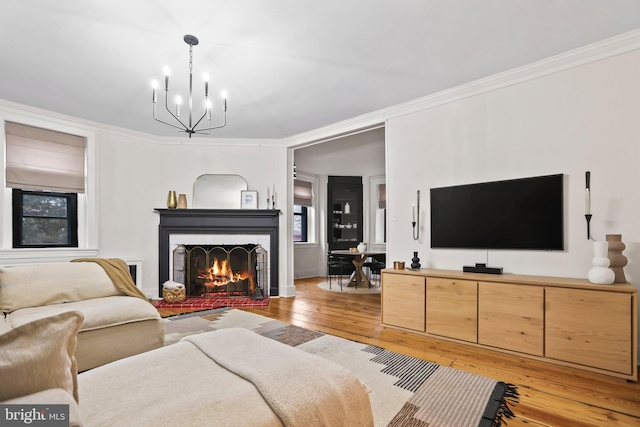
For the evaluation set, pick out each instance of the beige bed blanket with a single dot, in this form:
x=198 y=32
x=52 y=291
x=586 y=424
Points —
x=181 y=385
x=302 y=389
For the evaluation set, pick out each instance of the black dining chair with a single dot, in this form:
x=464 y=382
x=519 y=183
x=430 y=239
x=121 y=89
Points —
x=337 y=265
x=375 y=265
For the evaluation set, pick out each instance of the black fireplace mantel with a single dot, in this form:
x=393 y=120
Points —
x=219 y=221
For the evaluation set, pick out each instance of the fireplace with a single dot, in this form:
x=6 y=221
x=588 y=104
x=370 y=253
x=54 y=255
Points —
x=192 y=240
x=212 y=271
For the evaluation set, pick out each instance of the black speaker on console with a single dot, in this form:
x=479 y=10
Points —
x=482 y=268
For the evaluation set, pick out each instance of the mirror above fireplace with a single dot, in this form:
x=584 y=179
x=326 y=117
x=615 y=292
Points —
x=211 y=191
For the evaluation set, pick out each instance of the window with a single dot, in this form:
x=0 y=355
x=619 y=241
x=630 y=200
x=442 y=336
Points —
x=44 y=219
x=300 y=220
x=381 y=215
x=302 y=201
x=46 y=170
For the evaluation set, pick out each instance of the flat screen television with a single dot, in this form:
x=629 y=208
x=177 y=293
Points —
x=524 y=213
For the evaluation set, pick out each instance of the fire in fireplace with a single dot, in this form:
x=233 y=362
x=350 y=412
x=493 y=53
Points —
x=212 y=271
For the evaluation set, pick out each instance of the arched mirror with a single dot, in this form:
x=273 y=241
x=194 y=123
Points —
x=212 y=191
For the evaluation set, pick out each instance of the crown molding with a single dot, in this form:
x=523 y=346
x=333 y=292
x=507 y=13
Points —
x=12 y=108
x=604 y=49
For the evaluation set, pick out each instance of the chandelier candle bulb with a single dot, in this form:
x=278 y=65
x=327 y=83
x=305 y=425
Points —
x=166 y=78
x=206 y=85
x=154 y=85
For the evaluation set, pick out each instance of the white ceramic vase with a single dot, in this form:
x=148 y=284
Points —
x=601 y=274
x=362 y=247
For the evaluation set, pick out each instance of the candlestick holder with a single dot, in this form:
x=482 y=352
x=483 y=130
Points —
x=416 y=224
x=588 y=217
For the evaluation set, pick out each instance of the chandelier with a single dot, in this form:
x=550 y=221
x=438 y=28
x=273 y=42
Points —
x=190 y=127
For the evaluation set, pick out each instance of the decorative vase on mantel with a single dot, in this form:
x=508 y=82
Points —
x=172 y=200
x=182 y=201
x=616 y=260
x=601 y=274
x=415 y=262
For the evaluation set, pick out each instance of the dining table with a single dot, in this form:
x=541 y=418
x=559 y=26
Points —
x=358 y=277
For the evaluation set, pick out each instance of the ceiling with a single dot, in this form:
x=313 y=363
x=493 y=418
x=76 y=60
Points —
x=289 y=66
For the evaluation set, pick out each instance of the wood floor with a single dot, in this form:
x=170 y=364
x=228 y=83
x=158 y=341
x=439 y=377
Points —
x=549 y=395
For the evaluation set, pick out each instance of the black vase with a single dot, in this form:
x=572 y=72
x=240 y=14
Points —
x=415 y=261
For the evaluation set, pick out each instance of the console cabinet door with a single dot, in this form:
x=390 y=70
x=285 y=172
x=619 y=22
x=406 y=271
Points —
x=511 y=317
x=452 y=308
x=403 y=301
x=591 y=328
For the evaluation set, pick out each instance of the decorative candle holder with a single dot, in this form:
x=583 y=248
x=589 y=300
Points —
x=588 y=217
x=416 y=224
x=587 y=194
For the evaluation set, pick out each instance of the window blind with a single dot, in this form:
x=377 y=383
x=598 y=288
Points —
x=302 y=193
x=41 y=159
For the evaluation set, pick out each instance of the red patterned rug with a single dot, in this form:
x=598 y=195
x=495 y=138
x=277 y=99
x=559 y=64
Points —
x=207 y=303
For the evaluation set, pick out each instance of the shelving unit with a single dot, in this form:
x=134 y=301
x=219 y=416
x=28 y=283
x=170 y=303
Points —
x=344 y=226
x=344 y=216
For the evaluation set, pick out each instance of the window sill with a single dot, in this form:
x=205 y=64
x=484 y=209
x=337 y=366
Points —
x=305 y=244
x=41 y=255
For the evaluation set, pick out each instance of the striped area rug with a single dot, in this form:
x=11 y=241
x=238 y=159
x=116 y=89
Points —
x=404 y=391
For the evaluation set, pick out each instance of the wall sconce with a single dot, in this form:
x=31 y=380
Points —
x=416 y=223
x=588 y=203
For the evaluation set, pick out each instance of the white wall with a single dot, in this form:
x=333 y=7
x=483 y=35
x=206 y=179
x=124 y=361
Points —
x=135 y=176
x=571 y=121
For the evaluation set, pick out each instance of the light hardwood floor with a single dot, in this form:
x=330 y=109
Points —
x=549 y=395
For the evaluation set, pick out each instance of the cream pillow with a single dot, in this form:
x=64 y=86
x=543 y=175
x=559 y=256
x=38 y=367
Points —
x=39 y=355
x=52 y=283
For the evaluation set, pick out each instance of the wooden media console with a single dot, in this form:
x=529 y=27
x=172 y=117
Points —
x=564 y=321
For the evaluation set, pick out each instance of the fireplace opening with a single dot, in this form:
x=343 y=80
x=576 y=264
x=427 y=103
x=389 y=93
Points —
x=221 y=271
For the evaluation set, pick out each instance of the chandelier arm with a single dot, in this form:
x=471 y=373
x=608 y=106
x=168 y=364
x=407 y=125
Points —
x=170 y=124
x=199 y=120
x=166 y=106
x=224 y=123
x=162 y=121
